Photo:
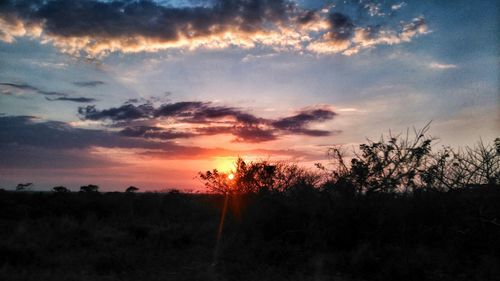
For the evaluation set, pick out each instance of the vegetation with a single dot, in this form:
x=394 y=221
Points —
x=131 y=189
x=91 y=188
x=399 y=164
x=23 y=186
x=60 y=189
x=393 y=210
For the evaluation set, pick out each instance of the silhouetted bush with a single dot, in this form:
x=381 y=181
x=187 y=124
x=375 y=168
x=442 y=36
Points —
x=403 y=164
x=131 y=189
x=23 y=186
x=260 y=177
x=60 y=189
x=89 y=188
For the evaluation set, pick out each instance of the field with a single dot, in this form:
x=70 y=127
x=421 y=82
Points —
x=305 y=235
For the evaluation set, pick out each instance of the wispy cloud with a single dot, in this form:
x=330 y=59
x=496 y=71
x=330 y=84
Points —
x=441 y=66
x=8 y=88
x=72 y=99
x=28 y=87
x=88 y=83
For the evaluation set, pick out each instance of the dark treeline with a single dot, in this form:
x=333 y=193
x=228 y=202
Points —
x=393 y=210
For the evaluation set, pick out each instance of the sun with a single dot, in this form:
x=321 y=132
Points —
x=230 y=176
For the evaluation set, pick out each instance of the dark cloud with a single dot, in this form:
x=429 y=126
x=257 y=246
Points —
x=205 y=119
x=298 y=123
x=27 y=87
x=341 y=26
x=76 y=99
x=125 y=112
x=253 y=134
x=20 y=86
x=308 y=17
x=242 y=133
x=179 y=109
x=5 y=88
x=207 y=112
x=88 y=83
x=150 y=132
x=28 y=130
x=135 y=26
x=132 y=101
x=16 y=156
x=27 y=142
x=114 y=19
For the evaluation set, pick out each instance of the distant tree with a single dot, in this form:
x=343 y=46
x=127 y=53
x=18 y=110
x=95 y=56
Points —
x=60 y=189
x=174 y=191
x=131 y=189
x=89 y=188
x=23 y=186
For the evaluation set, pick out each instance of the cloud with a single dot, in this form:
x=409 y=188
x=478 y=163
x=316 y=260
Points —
x=150 y=132
x=8 y=88
x=189 y=119
x=297 y=123
x=31 y=131
x=28 y=142
x=349 y=40
x=125 y=112
x=95 y=28
x=34 y=157
x=94 y=83
x=78 y=99
x=27 y=87
x=441 y=66
x=398 y=6
x=242 y=133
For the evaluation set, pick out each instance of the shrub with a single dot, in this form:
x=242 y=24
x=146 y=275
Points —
x=131 y=189
x=60 y=189
x=89 y=188
x=258 y=177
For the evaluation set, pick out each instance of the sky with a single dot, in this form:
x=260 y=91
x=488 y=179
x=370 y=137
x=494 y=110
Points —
x=149 y=93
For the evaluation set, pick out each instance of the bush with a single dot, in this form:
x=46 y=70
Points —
x=89 y=188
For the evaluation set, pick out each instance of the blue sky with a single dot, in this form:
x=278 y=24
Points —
x=418 y=61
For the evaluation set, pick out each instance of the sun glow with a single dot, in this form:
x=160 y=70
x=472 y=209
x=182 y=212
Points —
x=225 y=164
x=230 y=176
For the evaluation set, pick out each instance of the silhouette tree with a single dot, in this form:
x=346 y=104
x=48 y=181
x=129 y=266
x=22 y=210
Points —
x=60 y=189
x=89 y=188
x=131 y=189
x=23 y=186
x=471 y=166
x=263 y=176
x=393 y=165
x=404 y=164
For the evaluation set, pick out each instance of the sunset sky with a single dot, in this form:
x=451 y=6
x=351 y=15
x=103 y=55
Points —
x=148 y=93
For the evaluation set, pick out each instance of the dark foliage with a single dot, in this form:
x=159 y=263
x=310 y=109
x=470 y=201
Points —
x=397 y=211
x=91 y=188
x=131 y=189
x=60 y=189
x=23 y=186
x=306 y=235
